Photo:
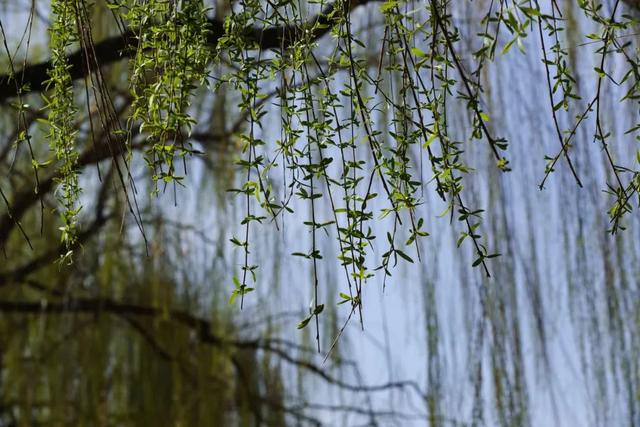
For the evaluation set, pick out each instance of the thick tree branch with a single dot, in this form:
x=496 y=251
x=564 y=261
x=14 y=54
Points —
x=105 y=305
x=34 y=77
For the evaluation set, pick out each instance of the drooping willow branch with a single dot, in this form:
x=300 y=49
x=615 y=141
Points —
x=418 y=106
x=113 y=49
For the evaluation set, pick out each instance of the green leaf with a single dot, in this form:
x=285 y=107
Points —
x=304 y=322
x=388 y=5
x=404 y=256
x=529 y=11
x=418 y=52
x=318 y=309
x=508 y=46
x=233 y=297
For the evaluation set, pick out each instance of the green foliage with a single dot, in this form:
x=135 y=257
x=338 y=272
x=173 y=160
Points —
x=169 y=65
x=123 y=350
x=62 y=114
x=331 y=151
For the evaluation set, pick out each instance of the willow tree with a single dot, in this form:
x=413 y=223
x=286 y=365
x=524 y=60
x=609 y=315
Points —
x=333 y=131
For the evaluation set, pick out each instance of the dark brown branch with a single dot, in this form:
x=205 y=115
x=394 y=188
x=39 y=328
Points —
x=104 y=305
x=114 y=49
